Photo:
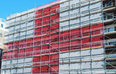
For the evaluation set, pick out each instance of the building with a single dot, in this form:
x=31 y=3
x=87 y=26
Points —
x=2 y=32
x=62 y=37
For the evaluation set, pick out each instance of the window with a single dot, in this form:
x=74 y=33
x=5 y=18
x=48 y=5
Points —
x=1 y=25
x=112 y=43
x=111 y=29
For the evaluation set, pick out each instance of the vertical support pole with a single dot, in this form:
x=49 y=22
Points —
x=103 y=35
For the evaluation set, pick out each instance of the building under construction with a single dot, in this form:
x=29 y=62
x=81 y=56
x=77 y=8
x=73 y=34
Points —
x=62 y=37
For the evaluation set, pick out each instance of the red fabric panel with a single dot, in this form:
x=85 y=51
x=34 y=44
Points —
x=16 y=45
x=54 y=69
x=97 y=29
x=44 y=69
x=45 y=49
x=46 y=11
x=45 y=30
x=37 y=50
x=10 y=45
x=54 y=38
x=29 y=51
x=38 y=22
x=22 y=43
x=36 y=60
x=97 y=41
x=21 y=53
x=65 y=46
x=38 y=14
x=9 y=55
x=35 y=70
x=55 y=18
x=15 y=54
x=86 y=31
x=54 y=28
x=54 y=48
x=75 y=33
x=37 y=41
x=55 y=9
x=64 y=36
x=54 y=58
x=29 y=42
x=37 y=32
x=75 y=45
x=4 y=55
x=46 y=20
x=86 y=43
x=45 y=39
x=44 y=59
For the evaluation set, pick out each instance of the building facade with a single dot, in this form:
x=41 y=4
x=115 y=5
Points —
x=62 y=37
x=2 y=32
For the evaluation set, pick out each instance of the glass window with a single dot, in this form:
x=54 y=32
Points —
x=112 y=43
x=1 y=25
x=111 y=29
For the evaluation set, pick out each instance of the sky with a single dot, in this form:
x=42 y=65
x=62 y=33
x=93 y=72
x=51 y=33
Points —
x=8 y=7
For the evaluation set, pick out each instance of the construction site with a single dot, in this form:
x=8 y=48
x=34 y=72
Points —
x=62 y=37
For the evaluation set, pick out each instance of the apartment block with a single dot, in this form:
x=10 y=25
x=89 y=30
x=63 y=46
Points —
x=62 y=37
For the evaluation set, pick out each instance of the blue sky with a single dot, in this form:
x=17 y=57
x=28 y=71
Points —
x=8 y=7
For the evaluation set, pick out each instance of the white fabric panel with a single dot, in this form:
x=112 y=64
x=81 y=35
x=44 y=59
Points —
x=12 y=20
x=24 y=16
x=85 y=20
x=74 y=3
x=76 y=53
x=22 y=35
x=7 y=71
x=86 y=58
x=8 y=62
x=20 y=64
x=99 y=71
x=3 y=64
x=98 y=57
x=14 y=61
x=74 y=13
x=86 y=71
x=74 y=21
x=6 y=38
x=27 y=70
x=84 y=10
x=64 y=23
x=98 y=64
x=3 y=71
x=65 y=26
x=96 y=18
x=91 y=1
x=64 y=15
x=18 y=18
x=19 y=70
x=23 y=26
x=30 y=25
x=31 y=15
x=95 y=7
x=28 y=64
x=75 y=66
x=28 y=59
x=64 y=67
x=17 y=28
x=97 y=51
x=30 y=33
x=84 y=2
x=16 y=36
x=85 y=65
x=13 y=71
x=64 y=55
x=20 y=60
x=64 y=6
x=11 y=37
x=85 y=52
